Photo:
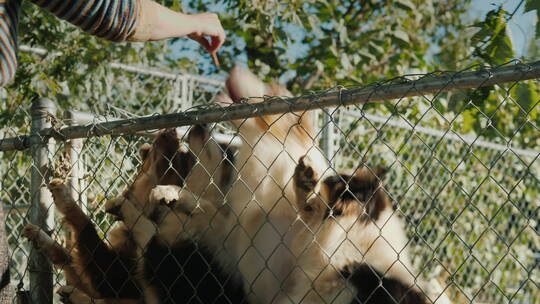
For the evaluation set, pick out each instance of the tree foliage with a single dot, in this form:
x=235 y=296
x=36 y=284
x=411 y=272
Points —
x=309 y=45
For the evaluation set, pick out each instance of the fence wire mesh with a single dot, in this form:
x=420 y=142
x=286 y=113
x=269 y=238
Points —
x=248 y=226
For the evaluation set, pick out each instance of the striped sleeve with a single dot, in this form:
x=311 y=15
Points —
x=113 y=20
x=9 y=18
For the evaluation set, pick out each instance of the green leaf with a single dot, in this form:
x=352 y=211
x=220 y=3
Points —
x=492 y=41
x=527 y=96
x=401 y=36
x=405 y=4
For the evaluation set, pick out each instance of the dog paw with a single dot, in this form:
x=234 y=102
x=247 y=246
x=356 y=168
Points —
x=45 y=244
x=71 y=295
x=114 y=207
x=31 y=232
x=165 y=195
x=38 y=237
x=305 y=177
x=61 y=196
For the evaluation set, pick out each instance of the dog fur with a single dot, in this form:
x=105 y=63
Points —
x=321 y=256
x=289 y=229
x=354 y=248
x=167 y=236
x=96 y=270
x=95 y=267
x=262 y=228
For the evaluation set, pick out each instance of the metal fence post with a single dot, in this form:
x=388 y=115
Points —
x=41 y=209
x=77 y=167
x=328 y=138
x=75 y=178
x=185 y=96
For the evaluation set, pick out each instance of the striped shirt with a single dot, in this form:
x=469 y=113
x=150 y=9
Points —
x=114 y=20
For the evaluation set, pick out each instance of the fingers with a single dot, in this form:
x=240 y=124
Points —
x=210 y=35
x=208 y=47
x=202 y=41
x=218 y=40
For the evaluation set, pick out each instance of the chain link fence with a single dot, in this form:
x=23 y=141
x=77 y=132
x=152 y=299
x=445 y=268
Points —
x=469 y=202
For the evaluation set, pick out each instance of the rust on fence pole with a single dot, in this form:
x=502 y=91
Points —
x=41 y=209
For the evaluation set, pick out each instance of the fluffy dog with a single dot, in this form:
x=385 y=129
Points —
x=172 y=263
x=167 y=256
x=261 y=228
x=97 y=270
x=353 y=249
x=95 y=267
x=338 y=254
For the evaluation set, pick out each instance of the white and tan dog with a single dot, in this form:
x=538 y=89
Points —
x=284 y=258
x=354 y=247
x=263 y=196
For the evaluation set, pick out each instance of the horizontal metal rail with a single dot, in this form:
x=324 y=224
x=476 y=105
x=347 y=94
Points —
x=277 y=105
x=85 y=118
x=129 y=68
x=447 y=135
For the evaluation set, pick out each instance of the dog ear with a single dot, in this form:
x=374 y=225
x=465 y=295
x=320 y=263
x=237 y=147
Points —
x=144 y=150
x=197 y=137
x=380 y=173
x=242 y=83
x=167 y=142
x=223 y=99
x=164 y=151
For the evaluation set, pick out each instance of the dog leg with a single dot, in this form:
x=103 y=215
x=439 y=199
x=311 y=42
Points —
x=97 y=264
x=164 y=195
x=67 y=206
x=305 y=179
x=58 y=255
x=45 y=244
x=306 y=183
x=142 y=229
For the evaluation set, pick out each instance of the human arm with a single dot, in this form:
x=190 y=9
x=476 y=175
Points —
x=137 y=20
x=158 y=22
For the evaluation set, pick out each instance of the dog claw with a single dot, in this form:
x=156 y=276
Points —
x=304 y=175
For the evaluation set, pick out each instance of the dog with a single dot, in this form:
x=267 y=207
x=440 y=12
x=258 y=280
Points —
x=167 y=239
x=262 y=196
x=278 y=253
x=354 y=247
x=97 y=270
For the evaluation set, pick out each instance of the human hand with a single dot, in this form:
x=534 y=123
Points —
x=158 y=22
x=208 y=33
